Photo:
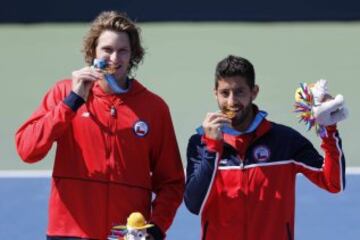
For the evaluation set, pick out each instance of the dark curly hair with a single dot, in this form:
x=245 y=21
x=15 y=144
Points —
x=118 y=22
x=235 y=66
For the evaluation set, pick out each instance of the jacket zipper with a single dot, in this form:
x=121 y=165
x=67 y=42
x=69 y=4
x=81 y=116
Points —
x=244 y=186
x=109 y=135
x=113 y=111
x=245 y=183
x=242 y=163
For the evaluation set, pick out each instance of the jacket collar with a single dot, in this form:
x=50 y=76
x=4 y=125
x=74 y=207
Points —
x=134 y=88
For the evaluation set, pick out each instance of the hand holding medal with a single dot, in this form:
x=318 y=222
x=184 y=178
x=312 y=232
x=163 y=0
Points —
x=108 y=72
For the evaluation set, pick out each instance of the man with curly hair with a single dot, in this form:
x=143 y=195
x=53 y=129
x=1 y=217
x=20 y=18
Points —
x=116 y=152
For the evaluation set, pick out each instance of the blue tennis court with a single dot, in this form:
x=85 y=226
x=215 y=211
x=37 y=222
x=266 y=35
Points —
x=319 y=215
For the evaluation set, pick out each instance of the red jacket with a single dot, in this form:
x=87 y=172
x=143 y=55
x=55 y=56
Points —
x=244 y=187
x=112 y=154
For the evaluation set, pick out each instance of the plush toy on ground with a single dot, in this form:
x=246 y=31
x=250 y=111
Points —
x=135 y=229
x=317 y=108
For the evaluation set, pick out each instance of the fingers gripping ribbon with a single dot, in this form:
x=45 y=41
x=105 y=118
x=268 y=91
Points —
x=317 y=108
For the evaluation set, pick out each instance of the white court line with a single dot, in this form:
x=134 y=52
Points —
x=25 y=173
x=47 y=173
x=353 y=170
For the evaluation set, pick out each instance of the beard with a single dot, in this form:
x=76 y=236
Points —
x=242 y=116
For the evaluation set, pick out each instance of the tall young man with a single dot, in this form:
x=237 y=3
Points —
x=114 y=150
x=241 y=167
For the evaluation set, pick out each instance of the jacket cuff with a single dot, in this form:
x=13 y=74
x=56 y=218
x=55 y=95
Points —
x=156 y=232
x=74 y=101
x=212 y=144
x=331 y=128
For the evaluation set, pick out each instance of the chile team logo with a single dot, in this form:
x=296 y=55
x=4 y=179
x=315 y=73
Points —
x=261 y=153
x=141 y=128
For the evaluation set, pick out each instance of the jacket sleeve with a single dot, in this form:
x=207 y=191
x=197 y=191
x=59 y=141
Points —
x=328 y=171
x=168 y=180
x=202 y=161
x=36 y=136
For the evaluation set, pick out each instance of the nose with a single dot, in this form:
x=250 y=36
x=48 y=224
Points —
x=231 y=101
x=115 y=57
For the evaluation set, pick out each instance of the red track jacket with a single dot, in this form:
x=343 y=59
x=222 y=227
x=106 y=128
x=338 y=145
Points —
x=244 y=187
x=112 y=154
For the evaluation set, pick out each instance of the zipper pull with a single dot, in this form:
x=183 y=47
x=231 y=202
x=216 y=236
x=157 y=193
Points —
x=242 y=162
x=113 y=111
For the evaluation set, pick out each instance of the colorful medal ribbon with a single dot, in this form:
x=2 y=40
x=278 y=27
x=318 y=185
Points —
x=304 y=103
x=109 y=77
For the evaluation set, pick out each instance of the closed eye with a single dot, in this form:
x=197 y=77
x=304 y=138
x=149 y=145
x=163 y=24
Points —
x=123 y=50
x=107 y=49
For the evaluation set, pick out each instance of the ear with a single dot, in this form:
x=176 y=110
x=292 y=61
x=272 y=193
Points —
x=215 y=93
x=254 y=92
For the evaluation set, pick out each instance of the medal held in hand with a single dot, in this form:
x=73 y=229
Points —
x=108 y=72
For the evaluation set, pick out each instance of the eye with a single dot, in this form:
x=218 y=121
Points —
x=123 y=50
x=239 y=92
x=107 y=49
x=224 y=93
x=140 y=234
